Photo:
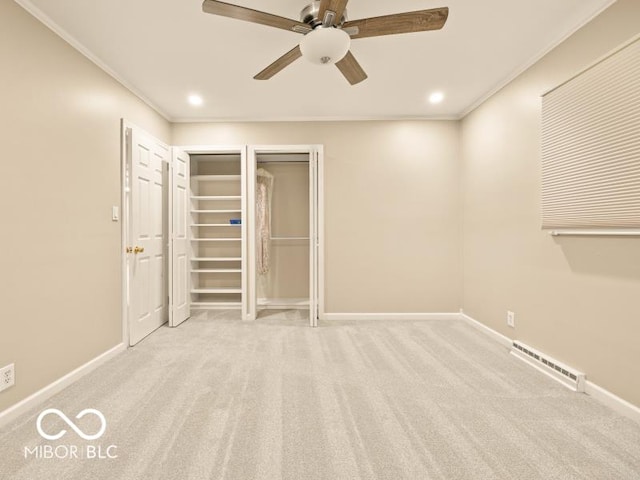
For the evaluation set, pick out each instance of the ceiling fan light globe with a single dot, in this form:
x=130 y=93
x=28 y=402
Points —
x=325 y=46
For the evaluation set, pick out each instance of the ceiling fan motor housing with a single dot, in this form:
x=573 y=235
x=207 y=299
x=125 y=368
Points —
x=309 y=15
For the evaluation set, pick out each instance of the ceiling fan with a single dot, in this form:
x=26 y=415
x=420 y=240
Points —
x=328 y=33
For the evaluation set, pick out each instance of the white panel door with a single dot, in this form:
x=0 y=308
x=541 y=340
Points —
x=179 y=291
x=147 y=261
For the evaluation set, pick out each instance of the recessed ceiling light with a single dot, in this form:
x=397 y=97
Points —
x=195 y=100
x=436 y=97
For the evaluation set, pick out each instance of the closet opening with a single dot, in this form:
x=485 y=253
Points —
x=282 y=229
x=216 y=231
x=283 y=233
x=208 y=198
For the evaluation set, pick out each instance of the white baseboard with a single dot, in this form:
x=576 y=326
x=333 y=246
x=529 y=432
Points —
x=612 y=401
x=50 y=390
x=390 y=316
x=598 y=393
x=503 y=340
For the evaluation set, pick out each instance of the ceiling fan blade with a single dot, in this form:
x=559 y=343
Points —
x=336 y=6
x=284 y=61
x=351 y=69
x=420 y=21
x=254 y=16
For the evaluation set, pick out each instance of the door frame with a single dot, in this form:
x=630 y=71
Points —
x=315 y=152
x=125 y=137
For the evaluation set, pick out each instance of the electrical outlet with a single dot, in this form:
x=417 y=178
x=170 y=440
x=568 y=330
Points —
x=511 y=319
x=7 y=377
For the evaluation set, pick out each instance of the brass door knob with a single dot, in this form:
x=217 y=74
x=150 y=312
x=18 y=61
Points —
x=129 y=249
x=138 y=249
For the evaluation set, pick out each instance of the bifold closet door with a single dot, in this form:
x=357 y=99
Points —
x=179 y=296
x=313 y=237
x=249 y=306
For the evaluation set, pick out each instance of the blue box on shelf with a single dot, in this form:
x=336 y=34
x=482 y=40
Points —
x=235 y=221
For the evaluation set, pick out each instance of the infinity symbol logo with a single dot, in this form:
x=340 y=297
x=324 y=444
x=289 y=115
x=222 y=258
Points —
x=58 y=435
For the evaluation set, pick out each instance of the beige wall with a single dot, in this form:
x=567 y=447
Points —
x=392 y=213
x=59 y=249
x=575 y=298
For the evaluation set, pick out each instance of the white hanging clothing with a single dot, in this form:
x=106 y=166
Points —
x=264 y=189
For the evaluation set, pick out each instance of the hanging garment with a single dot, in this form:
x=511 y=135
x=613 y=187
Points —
x=264 y=188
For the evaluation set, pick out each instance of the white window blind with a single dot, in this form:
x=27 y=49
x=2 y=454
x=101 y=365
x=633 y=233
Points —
x=591 y=146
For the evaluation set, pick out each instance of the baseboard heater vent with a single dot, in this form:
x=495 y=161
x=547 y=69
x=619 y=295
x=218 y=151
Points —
x=566 y=375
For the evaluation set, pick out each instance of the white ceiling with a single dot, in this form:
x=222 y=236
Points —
x=165 y=50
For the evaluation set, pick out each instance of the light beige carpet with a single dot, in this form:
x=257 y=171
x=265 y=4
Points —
x=274 y=399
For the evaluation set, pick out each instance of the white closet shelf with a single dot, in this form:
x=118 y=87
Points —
x=217 y=290
x=289 y=238
x=223 y=239
x=216 y=211
x=216 y=259
x=215 y=178
x=217 y=270
x=216 y=225
x=216 y=304
x=216 y=197
x=216 y=239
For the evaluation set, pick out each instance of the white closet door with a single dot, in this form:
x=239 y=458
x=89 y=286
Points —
x=179 y=265
x=250 y=294
x=244 y=281
x=313 y=238
x=148 y=300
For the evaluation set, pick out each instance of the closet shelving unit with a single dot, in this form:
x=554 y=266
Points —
x=216 y=244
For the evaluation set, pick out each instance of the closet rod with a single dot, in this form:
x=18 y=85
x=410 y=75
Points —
x=281 y=162
x=289 y=238
x=596 y=233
